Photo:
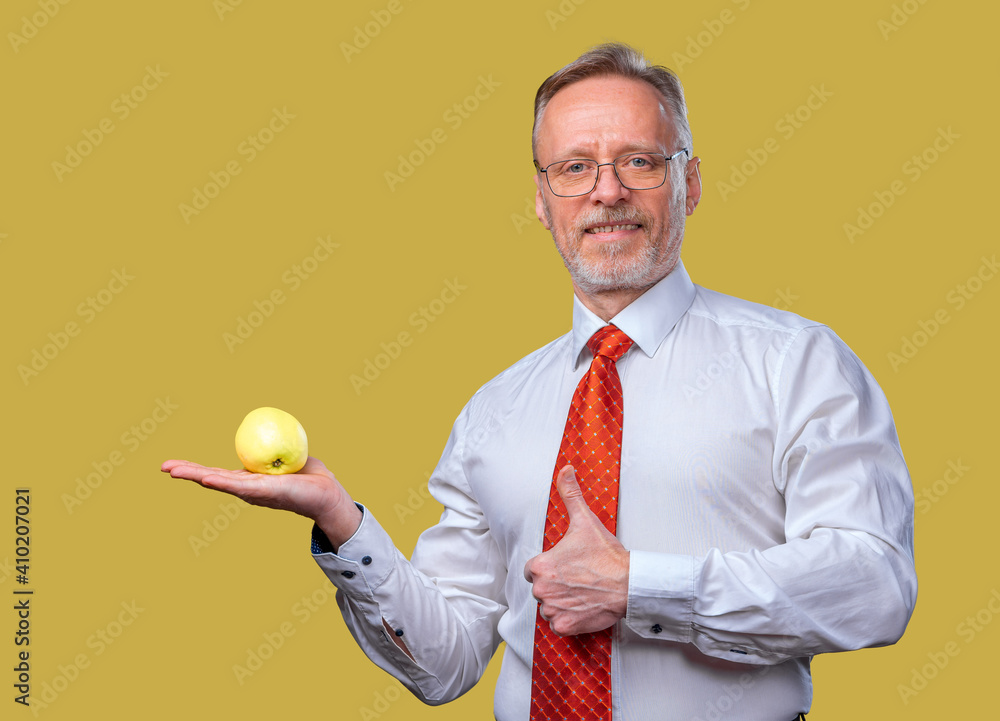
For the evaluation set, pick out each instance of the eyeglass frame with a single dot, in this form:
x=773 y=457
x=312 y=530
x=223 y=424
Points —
x=597 y=175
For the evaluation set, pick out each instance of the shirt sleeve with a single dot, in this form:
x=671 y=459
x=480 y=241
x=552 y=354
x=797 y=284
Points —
x=448 y=616
x=844 y=577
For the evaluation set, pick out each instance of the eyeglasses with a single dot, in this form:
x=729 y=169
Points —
x=635 y=171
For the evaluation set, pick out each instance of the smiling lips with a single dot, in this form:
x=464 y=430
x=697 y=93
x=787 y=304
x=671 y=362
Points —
x=610 y=228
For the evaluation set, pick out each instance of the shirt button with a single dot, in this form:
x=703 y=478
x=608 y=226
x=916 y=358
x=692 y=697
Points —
x=347 y=574
x=657 y=628
x=399 y=632
x=367 y=560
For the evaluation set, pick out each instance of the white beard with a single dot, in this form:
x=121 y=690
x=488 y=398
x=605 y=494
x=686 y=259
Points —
x=621 y=265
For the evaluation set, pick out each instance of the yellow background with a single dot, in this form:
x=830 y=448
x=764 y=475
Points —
x=460 y=215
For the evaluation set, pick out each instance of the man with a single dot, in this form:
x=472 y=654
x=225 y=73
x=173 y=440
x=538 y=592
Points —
x=765 y=511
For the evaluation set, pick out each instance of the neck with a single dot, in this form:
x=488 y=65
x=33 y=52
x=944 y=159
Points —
x=609 y=303
x=606 y=304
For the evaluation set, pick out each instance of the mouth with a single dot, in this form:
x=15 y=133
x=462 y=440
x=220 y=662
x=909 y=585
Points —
x=609 y=229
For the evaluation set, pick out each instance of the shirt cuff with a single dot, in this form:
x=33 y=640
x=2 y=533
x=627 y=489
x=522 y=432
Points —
x=362 y=562
x=661 y=588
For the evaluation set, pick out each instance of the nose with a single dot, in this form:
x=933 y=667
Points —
x=609 y=189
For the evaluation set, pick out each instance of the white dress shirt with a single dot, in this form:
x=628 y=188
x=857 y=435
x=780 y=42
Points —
x=763 y=498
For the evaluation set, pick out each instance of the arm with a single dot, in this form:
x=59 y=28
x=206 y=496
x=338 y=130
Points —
x=448 y=632
x=844 y=578
x=448 y=616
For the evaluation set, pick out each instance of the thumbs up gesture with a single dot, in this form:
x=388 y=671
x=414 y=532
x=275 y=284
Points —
x=582 y=581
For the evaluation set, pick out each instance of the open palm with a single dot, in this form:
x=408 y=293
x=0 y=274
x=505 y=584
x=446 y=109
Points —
x=313 y=492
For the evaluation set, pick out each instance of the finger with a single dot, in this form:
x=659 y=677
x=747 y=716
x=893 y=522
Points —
x=195 y=472
x=548 y=620
x=187 y=470
x=249 y=487
x=171 y=466
x=527 y=572
x=572 y=496
x=313 y=465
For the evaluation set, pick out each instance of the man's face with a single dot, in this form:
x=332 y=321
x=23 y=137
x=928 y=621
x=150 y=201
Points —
x=602 y=118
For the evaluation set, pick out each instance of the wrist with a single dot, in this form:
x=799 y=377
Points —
x=340 y=523
x=621 y=608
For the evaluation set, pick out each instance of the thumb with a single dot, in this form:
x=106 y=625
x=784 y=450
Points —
x=572 y=496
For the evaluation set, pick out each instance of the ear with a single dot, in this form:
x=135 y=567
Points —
x=692 y=179
x=540 y=202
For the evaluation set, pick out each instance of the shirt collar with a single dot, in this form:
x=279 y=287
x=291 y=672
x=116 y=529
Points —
x=647 y=320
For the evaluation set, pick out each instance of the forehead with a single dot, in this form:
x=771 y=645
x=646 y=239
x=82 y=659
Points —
x=604 y=116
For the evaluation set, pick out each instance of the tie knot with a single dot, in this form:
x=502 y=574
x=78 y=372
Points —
x=610 y=342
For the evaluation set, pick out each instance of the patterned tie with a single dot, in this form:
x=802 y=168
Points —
x=571 y=676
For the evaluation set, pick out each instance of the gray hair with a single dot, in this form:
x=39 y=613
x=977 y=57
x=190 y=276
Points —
x=624 y=61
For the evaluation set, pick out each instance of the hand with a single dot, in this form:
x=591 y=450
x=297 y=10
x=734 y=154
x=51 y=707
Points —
x=313 y=492
x=582 y=581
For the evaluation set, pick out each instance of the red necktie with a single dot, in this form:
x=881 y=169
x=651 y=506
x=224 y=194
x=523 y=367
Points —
x=571 y=676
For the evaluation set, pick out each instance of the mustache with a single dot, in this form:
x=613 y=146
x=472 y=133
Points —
x=616 y=215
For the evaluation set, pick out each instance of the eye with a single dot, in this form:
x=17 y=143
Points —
x=640 y=163
x=573 y=168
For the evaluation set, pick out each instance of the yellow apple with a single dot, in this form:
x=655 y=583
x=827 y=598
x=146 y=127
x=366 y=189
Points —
x=270 y=440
